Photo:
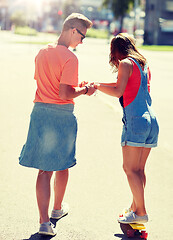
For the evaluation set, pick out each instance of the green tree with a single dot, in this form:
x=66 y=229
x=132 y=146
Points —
x=70 y=6
x=119 y=8
x=18 y=19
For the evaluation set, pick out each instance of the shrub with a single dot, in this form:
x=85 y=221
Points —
x=97 y=33
x=25 y=31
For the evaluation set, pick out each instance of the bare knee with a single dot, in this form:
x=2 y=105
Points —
x=129 y=170
x=62 y=172
x=47 y=174
x=141 y=171
x=126 y=169
x=142 y=175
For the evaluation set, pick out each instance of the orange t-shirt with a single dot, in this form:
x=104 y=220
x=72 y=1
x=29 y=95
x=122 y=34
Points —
x=54 y=64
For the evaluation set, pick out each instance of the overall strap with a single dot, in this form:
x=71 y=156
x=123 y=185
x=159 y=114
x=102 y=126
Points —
x=143 y=73
x=139 y=66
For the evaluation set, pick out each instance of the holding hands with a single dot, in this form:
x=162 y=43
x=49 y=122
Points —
x=90 y=88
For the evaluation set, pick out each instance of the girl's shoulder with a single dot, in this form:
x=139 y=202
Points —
x=126 y=63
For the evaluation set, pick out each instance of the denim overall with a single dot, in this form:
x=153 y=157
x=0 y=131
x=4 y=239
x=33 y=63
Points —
x=140 y=127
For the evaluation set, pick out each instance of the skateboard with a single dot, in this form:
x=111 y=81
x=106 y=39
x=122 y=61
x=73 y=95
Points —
x=132 y=230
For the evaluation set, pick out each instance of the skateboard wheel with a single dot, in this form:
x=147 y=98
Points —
x=144 y=234
x=130 y=233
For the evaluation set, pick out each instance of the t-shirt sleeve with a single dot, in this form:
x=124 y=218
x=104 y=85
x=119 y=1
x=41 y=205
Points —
x=35 y=72
x=70 y=72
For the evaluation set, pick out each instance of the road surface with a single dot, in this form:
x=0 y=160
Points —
x=97 y=190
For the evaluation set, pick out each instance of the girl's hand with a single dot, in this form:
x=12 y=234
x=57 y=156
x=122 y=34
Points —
x=91 y=89
x=96 y=85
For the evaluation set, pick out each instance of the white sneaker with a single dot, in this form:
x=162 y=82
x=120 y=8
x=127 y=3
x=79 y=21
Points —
x=57 y=214
x=124 y=212
x=47 y=228
x=133 y=218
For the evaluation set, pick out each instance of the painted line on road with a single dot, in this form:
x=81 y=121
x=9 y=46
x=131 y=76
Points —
x=110 y=101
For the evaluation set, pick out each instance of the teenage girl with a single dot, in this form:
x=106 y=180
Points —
x=140 y=127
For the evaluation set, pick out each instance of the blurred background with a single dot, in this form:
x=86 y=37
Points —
x=97 y=189
x=150 y=21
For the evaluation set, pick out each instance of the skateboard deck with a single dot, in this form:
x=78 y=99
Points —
x=134 y=230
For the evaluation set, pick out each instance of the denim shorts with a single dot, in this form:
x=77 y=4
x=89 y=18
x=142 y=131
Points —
x=51 y=140
x=140 y=131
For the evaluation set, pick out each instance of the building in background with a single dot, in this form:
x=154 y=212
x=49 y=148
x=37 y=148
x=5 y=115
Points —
x=48 y=15
x=150 y=19
x=159 y=22
x=54 y=12
x=101 y=17
x=4 y=16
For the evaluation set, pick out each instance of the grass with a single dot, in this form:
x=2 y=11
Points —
x=33 y=42
x=96 y=33
x=156 y=47
x=27 y=31
x=93 y=33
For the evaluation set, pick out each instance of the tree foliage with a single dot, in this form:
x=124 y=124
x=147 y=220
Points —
x=18 y=18
x=69 y=7
x=119 y=8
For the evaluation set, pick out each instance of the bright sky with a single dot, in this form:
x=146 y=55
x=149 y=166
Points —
x=31 y=3
x=36 y=2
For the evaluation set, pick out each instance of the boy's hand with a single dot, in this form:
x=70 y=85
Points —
x=83 y=84
x=91 y=89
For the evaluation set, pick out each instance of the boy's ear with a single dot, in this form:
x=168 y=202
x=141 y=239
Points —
x=73 y=30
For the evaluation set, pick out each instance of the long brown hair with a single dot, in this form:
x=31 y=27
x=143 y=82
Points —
x=123 y=46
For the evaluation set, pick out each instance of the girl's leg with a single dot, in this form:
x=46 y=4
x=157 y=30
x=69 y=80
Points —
x=134 y=159
x=60 y=183
x=133 y=206
x=144 y=155
x=43 y=194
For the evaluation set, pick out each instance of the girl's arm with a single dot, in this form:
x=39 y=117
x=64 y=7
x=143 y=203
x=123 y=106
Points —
x=117 y=89
x=114 y=84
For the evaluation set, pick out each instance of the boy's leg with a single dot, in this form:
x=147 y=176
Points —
x=43 y=194
x=60 y=183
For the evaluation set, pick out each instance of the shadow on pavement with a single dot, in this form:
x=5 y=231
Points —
x=124 y=229
x=38 y=236
x=124 y=237
x=121 y=236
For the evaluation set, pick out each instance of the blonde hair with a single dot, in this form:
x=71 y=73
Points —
x=76 y=20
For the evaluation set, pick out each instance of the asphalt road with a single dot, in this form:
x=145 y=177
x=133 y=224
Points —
x=97 y=190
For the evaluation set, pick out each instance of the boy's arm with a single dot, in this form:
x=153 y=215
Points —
x=68 y=92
